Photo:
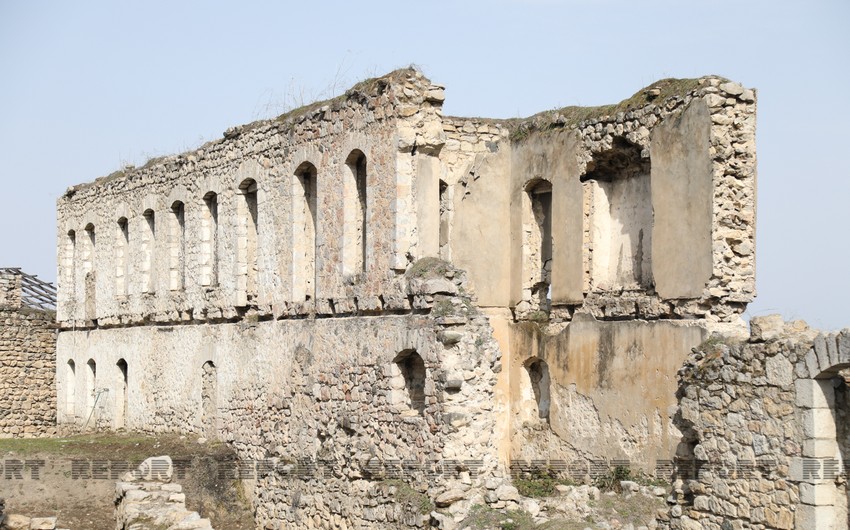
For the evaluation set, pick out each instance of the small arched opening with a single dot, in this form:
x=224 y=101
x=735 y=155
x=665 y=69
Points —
x=410 y=379
x=209 y=241
x=177 y=247
x=246 y=247
x=122 y=258
x=89 y=250
x=538 y=375
x=304 y=204
x=354 y=215
x=148 y=250
x=121 y=395
x=91 y=378
x=68 y=262
x=537 y=243
x=70 y=389
x=209 y=398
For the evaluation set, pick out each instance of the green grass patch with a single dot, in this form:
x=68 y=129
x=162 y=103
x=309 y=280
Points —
x=485 y=518
x=112 y=445
x=429 y=267
x=541 y=483
x=405 y=494
x=572 y=116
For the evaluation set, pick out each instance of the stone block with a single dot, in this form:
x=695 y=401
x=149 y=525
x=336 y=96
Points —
x=832 y=349
x=822 y=353
x=816 y=517
x=818 y=423
x=815 y=393
x=766 y=328
x=43 y=523
x=820 y=448
x=16 y=521
x=778 y=370
x=818 y=494
x=449 y=497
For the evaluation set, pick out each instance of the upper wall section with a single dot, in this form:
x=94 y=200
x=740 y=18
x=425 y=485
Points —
x=311 y=212
x=644 y=209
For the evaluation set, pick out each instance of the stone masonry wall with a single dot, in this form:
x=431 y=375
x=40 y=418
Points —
x=153 y=268
x=27 y=365
x=278 y=289
x=321 y=410
x=764 y=439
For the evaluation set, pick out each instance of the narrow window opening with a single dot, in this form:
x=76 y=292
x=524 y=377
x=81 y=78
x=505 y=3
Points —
x=209 y=241
x=69 y=265
x=412 y=369
x=305 y=271
x=89 y=249
x=355 y=215
x=538 y=373
x=445 y=220
x=91 y=378
x=121 y=395
x=208 y=400
x=537 y=254
x=70 y=389
x=247 y=270
x=122 y=260
x=148 y=248
x=177 y=247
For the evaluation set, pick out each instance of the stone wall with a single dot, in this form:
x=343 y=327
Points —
x=147 y=498
x=764 y=431
x=256 y=219
x=328 y=413
x=278 y=288
x=27 y=365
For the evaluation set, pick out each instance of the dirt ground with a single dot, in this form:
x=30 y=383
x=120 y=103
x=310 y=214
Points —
x=73 y=478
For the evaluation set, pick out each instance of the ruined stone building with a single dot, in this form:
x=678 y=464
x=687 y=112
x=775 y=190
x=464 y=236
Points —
x=366 y=281
x=27 y=355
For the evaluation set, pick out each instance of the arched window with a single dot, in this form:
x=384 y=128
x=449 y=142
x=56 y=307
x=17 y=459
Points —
x=209 y=399
x=121 y=395
x=177 y=247
x=70 y=389
x=122 y=260
x=537 y=244
x=88 y=249
x=538 y=373
x=88 y=258
x=304 y=269
x=445 y=221
x=69 y=264
x=411 y=371
x=91 y=377
x=355 y=216
x=618 y=218
x=246 y=246
x=148 y=248
x=209 y=241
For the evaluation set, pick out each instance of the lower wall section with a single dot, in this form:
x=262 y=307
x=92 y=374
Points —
x=594 y=390
x=362 y=420
x=27 y=368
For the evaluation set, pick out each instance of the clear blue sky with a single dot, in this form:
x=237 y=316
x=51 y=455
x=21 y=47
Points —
x=90 y=86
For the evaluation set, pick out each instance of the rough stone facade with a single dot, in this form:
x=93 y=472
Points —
x=27 y=364
x=765 y=435
x=280 y=289
x=147 y=498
